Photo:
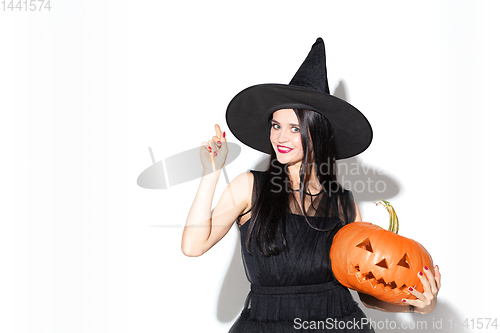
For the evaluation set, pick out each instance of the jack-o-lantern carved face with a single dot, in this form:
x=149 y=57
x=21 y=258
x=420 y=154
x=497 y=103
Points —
x=377 y=262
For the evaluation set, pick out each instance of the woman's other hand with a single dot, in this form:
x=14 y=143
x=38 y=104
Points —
x=426 y=301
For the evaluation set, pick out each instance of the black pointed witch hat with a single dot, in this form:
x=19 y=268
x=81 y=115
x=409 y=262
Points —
x=248 y=112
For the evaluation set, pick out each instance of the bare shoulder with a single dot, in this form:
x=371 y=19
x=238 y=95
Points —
x=242 y=187
x=243 y=177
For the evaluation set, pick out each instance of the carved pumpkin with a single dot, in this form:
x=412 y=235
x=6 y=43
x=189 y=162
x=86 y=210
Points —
x=377 y=262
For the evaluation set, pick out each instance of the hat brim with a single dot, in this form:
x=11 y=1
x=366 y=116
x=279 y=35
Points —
x=248 y=113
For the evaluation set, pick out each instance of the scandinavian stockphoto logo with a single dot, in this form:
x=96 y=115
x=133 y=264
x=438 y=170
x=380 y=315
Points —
x=179 y=168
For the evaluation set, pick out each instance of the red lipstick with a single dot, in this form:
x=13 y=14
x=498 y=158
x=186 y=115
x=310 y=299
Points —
x=284 y=149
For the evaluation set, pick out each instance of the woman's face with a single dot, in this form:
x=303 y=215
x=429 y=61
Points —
x=285 y=137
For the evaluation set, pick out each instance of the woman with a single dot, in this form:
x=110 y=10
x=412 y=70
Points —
x=289 y=214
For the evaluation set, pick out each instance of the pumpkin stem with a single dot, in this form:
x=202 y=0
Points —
x=393 y=218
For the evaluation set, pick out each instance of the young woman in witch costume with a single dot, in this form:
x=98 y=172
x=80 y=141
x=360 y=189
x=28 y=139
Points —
x=289 y=214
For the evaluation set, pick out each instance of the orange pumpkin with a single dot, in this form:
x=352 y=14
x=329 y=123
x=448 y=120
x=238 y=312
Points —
x=377 y=262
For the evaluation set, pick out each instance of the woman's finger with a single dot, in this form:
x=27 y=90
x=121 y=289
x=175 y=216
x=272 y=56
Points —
x=431 y=279
x=221 y=135
x=217 y=141
x=205 y=146
x=416 y=293
x=211 y=146
x=220 y=139
x=213 y=153
x=437 y=275
x=218 y=131
x=415 y=302
x=425 y=282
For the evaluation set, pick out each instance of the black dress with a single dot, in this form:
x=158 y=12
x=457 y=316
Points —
x=296 y=290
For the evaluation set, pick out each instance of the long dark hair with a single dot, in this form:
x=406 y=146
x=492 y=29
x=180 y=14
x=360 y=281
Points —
x=272 y=203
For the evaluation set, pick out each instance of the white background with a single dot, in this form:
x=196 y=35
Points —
x=86 y=88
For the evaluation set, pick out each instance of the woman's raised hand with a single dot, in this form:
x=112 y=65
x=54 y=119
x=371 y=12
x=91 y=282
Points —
x=214 y=152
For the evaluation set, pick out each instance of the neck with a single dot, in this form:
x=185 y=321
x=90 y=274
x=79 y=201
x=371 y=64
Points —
x=311 y=181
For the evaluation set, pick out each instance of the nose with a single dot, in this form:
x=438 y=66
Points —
x=283 y=137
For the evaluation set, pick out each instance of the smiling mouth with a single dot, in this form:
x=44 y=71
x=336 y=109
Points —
x=283 y=149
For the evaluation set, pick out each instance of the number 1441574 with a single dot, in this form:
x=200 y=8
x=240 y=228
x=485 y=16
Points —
x=25 y=5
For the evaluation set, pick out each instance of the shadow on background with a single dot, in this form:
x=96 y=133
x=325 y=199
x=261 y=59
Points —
x=366 y=182
x=234 y=289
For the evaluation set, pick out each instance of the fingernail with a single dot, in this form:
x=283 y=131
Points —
x=219 y=143
x=425 y=267
x=224 y=134
x=410 y=288
x=215 y=153
x=420 y=273
x=210 y=148
x=404 y=300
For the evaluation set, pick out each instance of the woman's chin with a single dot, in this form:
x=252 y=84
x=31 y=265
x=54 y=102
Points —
x=284 y=159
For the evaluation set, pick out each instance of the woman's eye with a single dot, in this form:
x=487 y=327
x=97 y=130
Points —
x=295 y=129
x=276 y=126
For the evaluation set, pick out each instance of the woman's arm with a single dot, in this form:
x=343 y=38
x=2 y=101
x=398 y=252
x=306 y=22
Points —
x=204 y=228
x=373 y=303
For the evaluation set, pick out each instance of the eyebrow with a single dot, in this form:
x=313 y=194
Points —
x=277 y=122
